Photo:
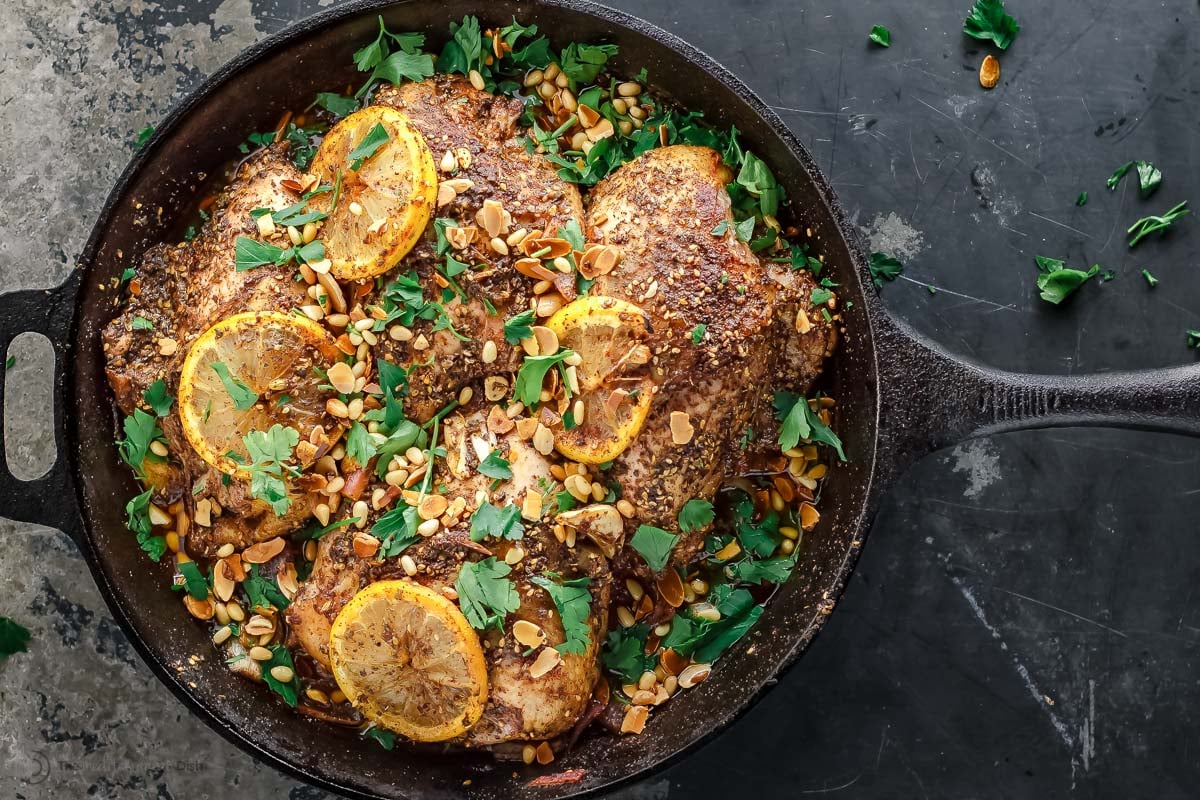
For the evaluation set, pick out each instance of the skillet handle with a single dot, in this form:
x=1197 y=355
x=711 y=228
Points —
x=51 y=499
x=930 y=399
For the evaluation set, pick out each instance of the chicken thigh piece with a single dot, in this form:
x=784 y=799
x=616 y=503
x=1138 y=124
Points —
x=493 y=193
x=179 y=292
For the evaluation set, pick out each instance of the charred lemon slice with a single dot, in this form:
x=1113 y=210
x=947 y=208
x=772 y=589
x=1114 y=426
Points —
x=612 y=337
x=249 y=372
x=387 y=187
x=407 y=658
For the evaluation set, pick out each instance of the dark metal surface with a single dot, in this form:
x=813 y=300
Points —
x=900 y=398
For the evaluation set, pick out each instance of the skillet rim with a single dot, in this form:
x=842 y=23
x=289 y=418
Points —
x=875 y=316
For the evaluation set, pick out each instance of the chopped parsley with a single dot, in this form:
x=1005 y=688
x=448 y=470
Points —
x=335 y=104
x=243 y=396
x=695 y=514
x=518 y=327
x=698 y=333
x=251 y=254
x=1082 y=199
x=376 y=138
x=281 y=657
x=157 y=398
x=14 y=638
x=654 y=545
x=1149 y=176
x=496 y=466
x=261 y=592
x=485 y=593
x=884 y=268
x=799 y=422
x=574 y=602
x=1148 y=225
x=396 y=530
x=137 y=519
x=140 y=430
x=705 y=640
x=143 y=136
x=193 y=580
x=1057 y=282
x=269 y=453
x=1150 y=279
x=528 y=386
x=988 y=21
x=624 y=652
x=1193 y=339
x=141 y=324
x=10 y=362
x=880 y=36
x=820 y=296
x=499 y=523
x=385 y=738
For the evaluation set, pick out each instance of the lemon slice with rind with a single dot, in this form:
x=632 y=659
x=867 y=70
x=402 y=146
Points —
x=248 y=372
x=408 y=660
x=387 y=188
x=613 y=338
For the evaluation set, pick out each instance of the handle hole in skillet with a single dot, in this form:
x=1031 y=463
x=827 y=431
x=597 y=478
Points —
x=29 y=406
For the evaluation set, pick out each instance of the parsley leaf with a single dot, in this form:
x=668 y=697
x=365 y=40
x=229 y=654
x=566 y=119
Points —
x=485 y=594
x=518 y=327
x=280 y=657
x=799 y=421
x=359 y=444
x=1148 y=225
x=758 y=180
x=654 y=545
x=881 y=36
x=573 y=601
x=14 y=638
x=261 y=592
x=583 y=62
x=385 y=738
x=137 y=519
x=268 y=453
x=144 y=135
x=336 y=104
x=820 y=296
x=496 y=466
x=1057 y=282
x=193 y=580
x=989 y=22
x=250 y=254
x=1149 y=177
x=695 y=514
x=140 y=430
x=407 y=62
x=499 y=523
x=705 y=640
x=157 y=398
x=624 y=652
x=376 y=138
x=243 y=396
x=528 y=386
x=396 y=530
x=884 y=268
x=698 y=333
x=1118 y=173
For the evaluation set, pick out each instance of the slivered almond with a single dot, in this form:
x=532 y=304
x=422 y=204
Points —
x=670 y=587
x=547 y=660
x=446 y=194
x=681 y=428
x=491 y=217
x=557 y=247
x=263 y=552
x=528 y=633
x=341 y=377
x=599 y=259
x=203 y=514
x=460 y=237
x=642 y=697
x=601 y=130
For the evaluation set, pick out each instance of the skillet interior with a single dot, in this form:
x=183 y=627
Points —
x=196 y=141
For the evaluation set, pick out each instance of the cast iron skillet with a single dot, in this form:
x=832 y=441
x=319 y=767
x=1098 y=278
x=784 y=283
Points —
x=900 y=398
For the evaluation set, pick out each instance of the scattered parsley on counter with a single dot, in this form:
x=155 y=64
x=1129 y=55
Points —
x=881 y=36
x=989 y=21
x=884 y=268
x=1082 y=199
x=1150 y=279
x=1193 y=339
x=1149 y=176
x=144 y=136
x=1056 y=281
x=1148 y=225
x=14 y=638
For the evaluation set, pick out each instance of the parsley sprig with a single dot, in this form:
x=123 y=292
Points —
x=1148 y=225
x=989 y=21
x=800 y=422
x=485 y=593
x=573 y=602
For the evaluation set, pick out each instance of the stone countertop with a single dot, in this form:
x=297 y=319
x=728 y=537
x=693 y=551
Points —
x=1024 y=621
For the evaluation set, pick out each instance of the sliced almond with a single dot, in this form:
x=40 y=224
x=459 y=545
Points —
x=642 y=697
x=670 y=588
x=547 y=660
x=533 y=268
x=588 y=116
x=459 y=237
x=543 y=440
x=531 y=506
x=460 y=185
x=528 y=633
x=258 y=625
x=694 y=674
x=809 y=516
x=526 y=427
x=223 y=584
x=601 y=130
x=498 y=421
x=432 y=506
x=341 y=377
x=495 y=387
x=599 y=522
x=547 y=340
x=491 y=217
x=556 y=247
x=681 y=427
x=200 y=609
x=445 y=194
x=263 y=552
x=599 y=259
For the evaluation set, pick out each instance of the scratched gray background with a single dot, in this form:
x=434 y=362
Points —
x=1023 y=622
